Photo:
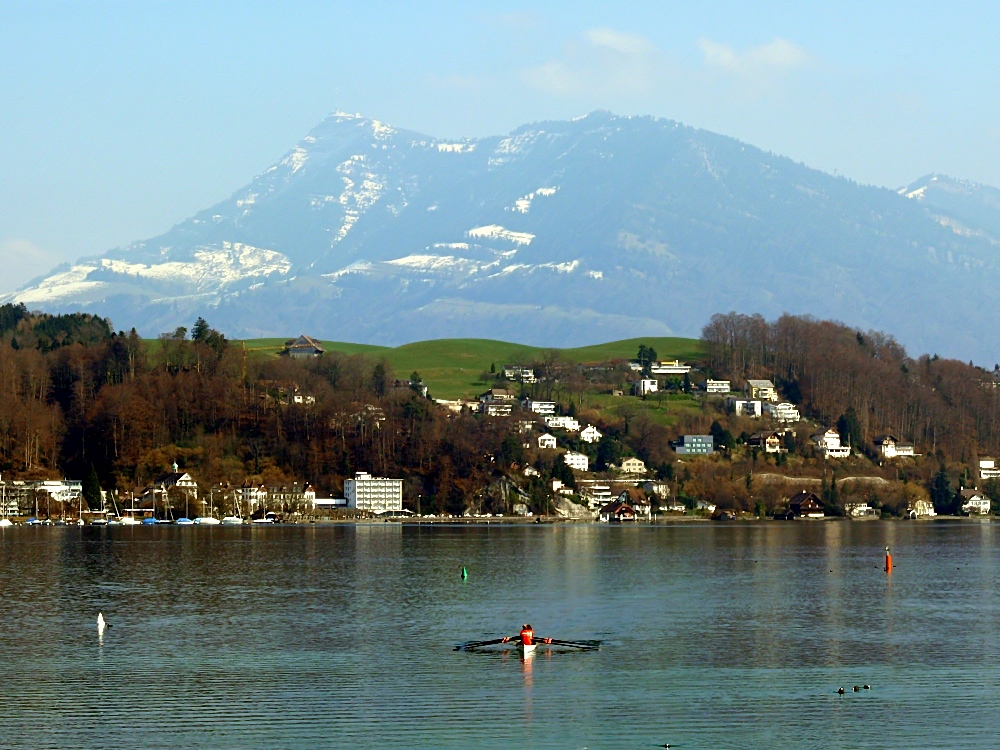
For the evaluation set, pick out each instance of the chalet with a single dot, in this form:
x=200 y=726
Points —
x=694 y=445
x=717 y=386
x=540 y=407
x=890 y=447
x=616 y=512
x=988 y=468
x=636 y=498
x=497 y=396
x=177 y=479
x=769 y=442
x=590 y=434
x=782 y=412
x=975 y=503
x=531 y=471
x=644 y=386
x=632 y=466
x=303 y=347
x=806 y=504
x=828 y=443
x=705 y=506
x=578 y=461
x=745 y=407
x=762 y=389
x=546 y=441
x=570 y=424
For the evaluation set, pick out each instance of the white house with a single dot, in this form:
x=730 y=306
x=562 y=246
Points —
x=669 y=368
x=644 y=386
x=890 y=447
x=975 y=503
x=578 y=461
x=988 y=468
x=762 y=389
x=922 y=509
x=570 y=424
x=745 y=407
x=632 y=466
x=828 y=441
x=540 y=407
x=179 y=479
x=860 y=509
x=590 y=434
x=782 y=412
x=717 y=386
x=518 y=373
x=496 y=409
x=374 y=494
x=546 y=441
x=531 y=471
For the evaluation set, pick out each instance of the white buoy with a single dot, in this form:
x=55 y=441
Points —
x=100 y=622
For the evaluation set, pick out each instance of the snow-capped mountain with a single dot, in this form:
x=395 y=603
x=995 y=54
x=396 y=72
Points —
x=559 y=233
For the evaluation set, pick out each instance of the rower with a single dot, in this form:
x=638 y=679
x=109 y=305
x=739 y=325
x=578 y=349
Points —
x=527 y=635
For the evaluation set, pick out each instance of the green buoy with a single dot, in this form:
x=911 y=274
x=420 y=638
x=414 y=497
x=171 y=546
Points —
x=465 y=573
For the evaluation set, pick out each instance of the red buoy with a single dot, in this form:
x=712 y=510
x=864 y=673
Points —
x=888 y=561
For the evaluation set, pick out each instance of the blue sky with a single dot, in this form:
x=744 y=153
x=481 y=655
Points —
x=119 y=119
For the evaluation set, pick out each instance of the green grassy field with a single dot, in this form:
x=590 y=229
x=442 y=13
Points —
x=451 y=367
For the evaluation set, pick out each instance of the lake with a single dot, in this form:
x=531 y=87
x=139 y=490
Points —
x=714 y=636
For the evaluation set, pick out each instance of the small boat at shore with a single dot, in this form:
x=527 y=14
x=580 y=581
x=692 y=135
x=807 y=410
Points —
x=207 y=521
x=232 y=521
x=5 y=522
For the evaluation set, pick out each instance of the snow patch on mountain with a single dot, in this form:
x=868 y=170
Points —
x=497 y=232
x=357 y=201
x=211 y=268
x=456 y=148
x=296 y=160
x=523 y=205
x=436 y=263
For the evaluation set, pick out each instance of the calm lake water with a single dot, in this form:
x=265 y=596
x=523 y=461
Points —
x=715 y=636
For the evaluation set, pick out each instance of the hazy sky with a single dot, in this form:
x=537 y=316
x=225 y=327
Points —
x=119 y=119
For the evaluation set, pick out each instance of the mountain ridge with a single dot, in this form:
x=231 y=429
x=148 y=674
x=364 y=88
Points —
x=558 y=233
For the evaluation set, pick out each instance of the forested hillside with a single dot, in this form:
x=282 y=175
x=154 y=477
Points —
x=74 y=395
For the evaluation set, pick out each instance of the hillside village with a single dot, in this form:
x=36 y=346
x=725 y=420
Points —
x=194 y=426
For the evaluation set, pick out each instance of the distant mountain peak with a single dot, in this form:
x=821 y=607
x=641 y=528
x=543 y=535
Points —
x=557 y=233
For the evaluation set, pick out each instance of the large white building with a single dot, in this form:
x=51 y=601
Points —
x=570 y=424
x=578 y=461
x=373 y=494
x=540 y=407
x=988 y=468
x=590 y=434
x=669 y=368
x=717 y=386
x=745 y=407
x=783 y=412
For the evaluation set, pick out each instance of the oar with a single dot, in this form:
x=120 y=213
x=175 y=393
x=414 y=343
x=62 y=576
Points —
x=587 y=645
x=477 y=644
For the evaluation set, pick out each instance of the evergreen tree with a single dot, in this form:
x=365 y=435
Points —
x=92 y=489
x=941 y=494
x=200 y=330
